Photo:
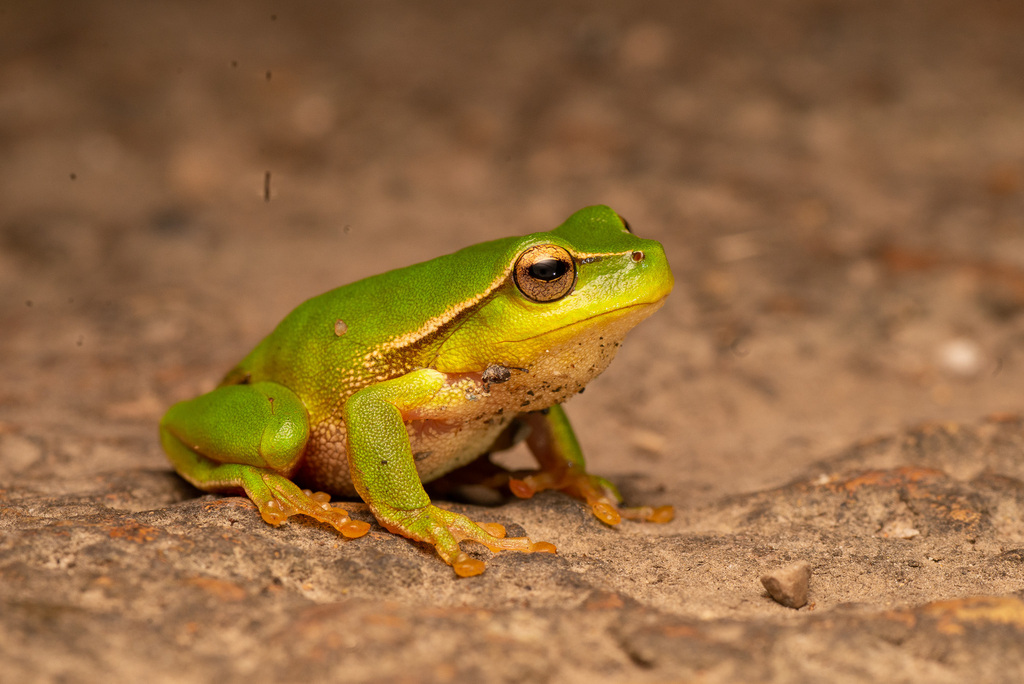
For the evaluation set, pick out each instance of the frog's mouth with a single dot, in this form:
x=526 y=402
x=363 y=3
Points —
x=640 y=310
x=597 y=334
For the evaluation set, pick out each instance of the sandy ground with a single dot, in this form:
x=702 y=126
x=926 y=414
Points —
x=839 y=187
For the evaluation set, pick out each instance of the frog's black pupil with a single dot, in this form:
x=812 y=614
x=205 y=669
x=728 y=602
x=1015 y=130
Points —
x=548 y=269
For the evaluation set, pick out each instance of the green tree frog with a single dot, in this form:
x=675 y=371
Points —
x=376 y=387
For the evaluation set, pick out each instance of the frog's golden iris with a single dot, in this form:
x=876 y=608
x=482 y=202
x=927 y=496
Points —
x=545 y=273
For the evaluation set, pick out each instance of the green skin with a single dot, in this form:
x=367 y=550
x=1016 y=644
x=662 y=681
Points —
x=376 y=387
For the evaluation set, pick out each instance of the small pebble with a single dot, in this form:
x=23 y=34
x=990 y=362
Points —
x=789 y=585
x=961 y=357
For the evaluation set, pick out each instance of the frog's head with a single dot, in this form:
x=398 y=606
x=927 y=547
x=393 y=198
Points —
x=562 y=299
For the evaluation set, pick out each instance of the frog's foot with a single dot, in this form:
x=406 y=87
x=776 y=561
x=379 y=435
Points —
x=600 y=494
x=278 y=498
x=445 y=529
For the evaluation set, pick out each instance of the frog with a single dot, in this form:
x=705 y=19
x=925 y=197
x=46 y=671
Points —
x=378 y=387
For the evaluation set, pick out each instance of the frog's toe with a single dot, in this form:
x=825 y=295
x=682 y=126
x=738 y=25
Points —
x=278 y=498
x=446 y=529
x=654 y=514
x=464 y=566
x=600 y=494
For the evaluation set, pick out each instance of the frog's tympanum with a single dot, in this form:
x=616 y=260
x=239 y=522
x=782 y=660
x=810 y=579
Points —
x=376 y=387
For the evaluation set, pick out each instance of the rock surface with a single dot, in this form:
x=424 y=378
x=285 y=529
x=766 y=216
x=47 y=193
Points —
x=836 y=380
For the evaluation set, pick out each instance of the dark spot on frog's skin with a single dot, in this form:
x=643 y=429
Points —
x=499 y=412
x=529 y=392
x=557 y=389
x=544 y=412
x=525 y=403
x=495 y=374
x=420 y=455
x=383 y=461
x=581 y=390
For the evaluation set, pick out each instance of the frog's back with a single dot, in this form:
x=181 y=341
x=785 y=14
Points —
x=371 y=330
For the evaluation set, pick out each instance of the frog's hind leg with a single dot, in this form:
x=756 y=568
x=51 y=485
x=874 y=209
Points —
x=249 y=437
x=562 y=467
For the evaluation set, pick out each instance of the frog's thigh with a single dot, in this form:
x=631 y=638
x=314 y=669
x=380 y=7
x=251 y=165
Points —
x=249 y=437
x=263 y=425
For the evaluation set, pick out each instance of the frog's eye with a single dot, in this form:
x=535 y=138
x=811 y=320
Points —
x=545 y=273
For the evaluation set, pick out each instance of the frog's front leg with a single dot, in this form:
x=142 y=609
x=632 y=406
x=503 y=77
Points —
x=249 y=437
x=562 y=467
x=384 y=474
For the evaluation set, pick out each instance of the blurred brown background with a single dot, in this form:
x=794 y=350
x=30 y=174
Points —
x=839 y=187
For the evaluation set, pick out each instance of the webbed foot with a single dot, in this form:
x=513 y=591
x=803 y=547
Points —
x=445 y=529
x=600 y=494
x=278 y=498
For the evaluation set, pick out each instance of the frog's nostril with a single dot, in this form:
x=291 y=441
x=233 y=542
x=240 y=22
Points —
x=638 y=256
